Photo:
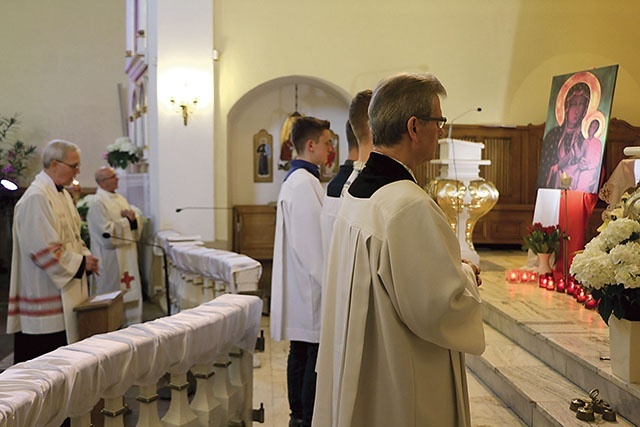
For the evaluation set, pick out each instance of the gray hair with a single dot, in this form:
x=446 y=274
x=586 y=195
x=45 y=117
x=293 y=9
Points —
x=396 y=99
x=57 y=150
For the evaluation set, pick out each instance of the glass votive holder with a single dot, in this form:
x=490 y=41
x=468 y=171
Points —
x=512 y=276
x=591 y=303
x=551 y=284
x=582 y=296
x=542 y=280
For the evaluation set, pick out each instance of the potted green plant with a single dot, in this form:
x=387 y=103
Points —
x=15 y=155
x=542 y=241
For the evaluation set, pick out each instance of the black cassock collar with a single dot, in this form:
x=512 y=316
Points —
x=379 y=171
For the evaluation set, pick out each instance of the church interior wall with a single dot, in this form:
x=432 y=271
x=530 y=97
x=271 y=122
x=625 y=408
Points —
x=62 y=61
x=267 y=108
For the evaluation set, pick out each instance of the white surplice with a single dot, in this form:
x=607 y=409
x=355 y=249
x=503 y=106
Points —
x=47 y=254
x=400 y=315
x=118 y=258
x=297 y=260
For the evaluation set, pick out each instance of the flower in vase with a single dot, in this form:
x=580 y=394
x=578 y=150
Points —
x=609 y=266
x=542 y=240
x=121 y=153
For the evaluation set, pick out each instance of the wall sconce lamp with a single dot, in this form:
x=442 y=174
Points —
x=184 y=107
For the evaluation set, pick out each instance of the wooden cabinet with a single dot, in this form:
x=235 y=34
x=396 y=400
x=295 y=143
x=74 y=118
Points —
x=515 y=156
x=254 y=228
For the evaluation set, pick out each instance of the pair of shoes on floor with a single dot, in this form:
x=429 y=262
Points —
x=295 y=422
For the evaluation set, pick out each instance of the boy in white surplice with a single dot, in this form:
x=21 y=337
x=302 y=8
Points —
x=297 y=264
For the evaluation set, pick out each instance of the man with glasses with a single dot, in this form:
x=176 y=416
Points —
x=110 y=213
x=49 y=258
x=407 y=307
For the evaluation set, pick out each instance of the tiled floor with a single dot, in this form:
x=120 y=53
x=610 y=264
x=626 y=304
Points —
x=270 y=387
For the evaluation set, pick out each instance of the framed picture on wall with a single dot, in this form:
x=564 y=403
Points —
x=262 y=157
x=576 y=129
x=330 y=169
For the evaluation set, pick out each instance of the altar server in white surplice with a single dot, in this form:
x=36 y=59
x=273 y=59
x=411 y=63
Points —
x=110 y=213
x=406 y=308
x=298 y=263
x=49 y=259
x=360 y=145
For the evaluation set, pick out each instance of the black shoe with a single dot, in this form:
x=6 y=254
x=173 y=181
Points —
x=295 y=422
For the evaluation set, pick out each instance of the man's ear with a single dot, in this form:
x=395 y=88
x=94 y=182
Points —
x=308 y=147
x=411 y=126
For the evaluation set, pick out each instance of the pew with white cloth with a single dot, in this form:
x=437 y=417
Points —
x=198 y=273
x=216 y=337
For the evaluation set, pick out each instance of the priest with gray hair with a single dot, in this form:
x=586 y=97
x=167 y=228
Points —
x=50 y=262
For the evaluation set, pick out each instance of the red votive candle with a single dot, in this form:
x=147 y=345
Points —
x=542 y=280
x=512 y=276
x=582 y=296
x=533 y=276
x=591 y=303
x=577 y=291
x=571 y=287
x=561 y=285
x=551 y=283
x=525 y=276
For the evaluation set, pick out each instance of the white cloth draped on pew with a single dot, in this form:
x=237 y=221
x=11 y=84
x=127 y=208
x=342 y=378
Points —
x=196 y=269
x=191 y=256
x=69 y=381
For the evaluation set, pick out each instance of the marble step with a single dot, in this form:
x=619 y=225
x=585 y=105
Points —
x=538 y=394
x=566 y=338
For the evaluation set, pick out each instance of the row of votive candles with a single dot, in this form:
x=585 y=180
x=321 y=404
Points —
x=521 y=276
x=547 y=281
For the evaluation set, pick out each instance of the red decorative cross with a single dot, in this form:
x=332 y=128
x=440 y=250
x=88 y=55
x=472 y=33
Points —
x=127 y=279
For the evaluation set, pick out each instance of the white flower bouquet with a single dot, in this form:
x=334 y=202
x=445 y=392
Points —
x=121 y=153
x=610 y=267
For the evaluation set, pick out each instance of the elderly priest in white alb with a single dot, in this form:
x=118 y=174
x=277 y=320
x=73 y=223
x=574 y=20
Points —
x=49 y=259
x=401 y=308
x=114 y=228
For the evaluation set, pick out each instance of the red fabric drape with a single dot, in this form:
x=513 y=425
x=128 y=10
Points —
x=578 y=206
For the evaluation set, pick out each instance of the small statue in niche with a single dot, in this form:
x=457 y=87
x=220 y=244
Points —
x=287 y=150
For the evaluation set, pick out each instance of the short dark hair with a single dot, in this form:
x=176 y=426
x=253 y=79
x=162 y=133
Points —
x=396 y=99
x=352 y=141
x=358 y=114
x=306 y=128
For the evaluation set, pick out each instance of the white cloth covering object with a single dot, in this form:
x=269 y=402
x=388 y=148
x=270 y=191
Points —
x=69 y=381
x=240 y=272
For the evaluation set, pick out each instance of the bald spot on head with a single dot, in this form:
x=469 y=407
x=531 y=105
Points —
x=104 y=172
